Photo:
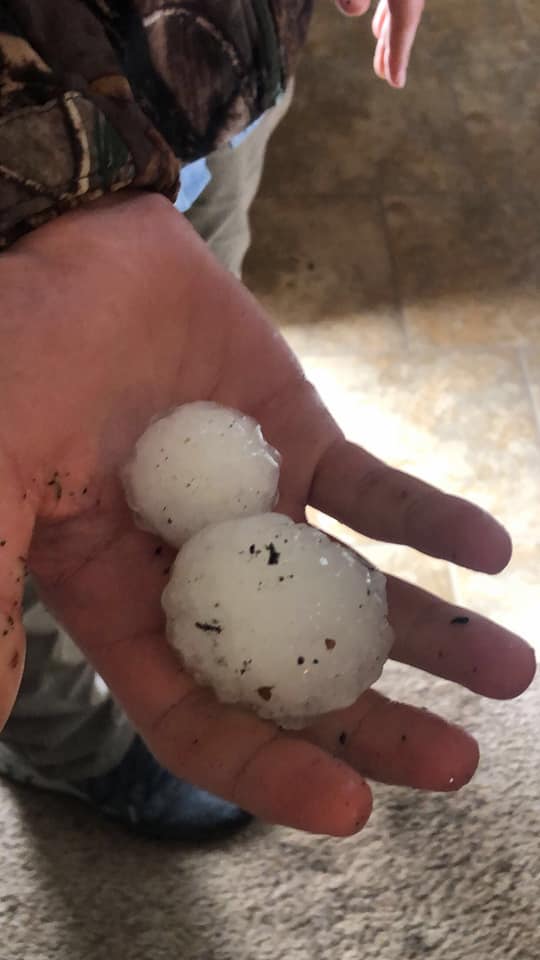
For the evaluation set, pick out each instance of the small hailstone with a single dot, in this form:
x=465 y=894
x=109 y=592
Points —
x=276 y=616
x=200 y=464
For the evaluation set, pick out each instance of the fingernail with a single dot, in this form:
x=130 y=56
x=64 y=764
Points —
x=401 y=79
x=352 y=9
x=344 y=6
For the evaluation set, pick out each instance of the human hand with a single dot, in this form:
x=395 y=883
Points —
x=395 y=24
x=114 y=314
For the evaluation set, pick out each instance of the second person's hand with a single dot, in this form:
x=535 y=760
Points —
x=395 y=25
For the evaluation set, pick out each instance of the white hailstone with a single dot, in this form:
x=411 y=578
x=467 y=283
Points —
x=276 y=616
x=200 y=464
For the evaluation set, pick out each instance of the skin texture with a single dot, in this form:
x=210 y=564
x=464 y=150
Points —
x=110 y=316
x=394 y=25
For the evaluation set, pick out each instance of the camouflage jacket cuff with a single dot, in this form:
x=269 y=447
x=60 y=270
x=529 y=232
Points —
x=97 y=95
x=60 y=147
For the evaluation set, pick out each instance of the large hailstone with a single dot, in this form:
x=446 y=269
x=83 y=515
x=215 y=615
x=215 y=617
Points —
x=200 y=464
x=276 y=616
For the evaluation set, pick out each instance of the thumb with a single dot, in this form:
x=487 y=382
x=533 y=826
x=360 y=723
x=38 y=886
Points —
x=16 y=524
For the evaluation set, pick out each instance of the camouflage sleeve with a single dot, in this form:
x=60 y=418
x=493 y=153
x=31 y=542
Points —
x=70 y=127
x=97 y=95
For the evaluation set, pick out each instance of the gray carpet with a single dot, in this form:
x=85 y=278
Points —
x=449 y=878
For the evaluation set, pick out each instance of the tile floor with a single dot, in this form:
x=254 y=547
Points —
x=397 y=244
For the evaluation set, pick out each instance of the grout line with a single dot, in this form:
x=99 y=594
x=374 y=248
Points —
x=517 y=9
x=396 y=292
x=522 y=359
x=470 y=154
x=520 y=16
x=366 y=193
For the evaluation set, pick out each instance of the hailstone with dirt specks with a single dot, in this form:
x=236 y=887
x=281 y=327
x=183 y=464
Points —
x=200 y=464
x=276 y=616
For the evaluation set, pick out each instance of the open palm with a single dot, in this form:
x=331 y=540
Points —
x=109 y=317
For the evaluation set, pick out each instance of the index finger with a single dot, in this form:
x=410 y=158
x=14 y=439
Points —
x=365 y=494
x=405 y=16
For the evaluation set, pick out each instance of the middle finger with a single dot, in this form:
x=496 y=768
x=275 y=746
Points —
x=398 y=744
x=457 y=644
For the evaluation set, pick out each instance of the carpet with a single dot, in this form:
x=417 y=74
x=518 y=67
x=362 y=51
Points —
x=444 y=877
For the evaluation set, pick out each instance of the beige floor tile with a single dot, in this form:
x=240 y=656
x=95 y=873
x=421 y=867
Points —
x=497 y=30
x=467 y=267
x=335 y=529
x=459 y=419
x=531 y=363
x=361 y=333
x=529 y=11
x=348 y=133
x=512 y=598
x=330 y=31
x=324 y=262
x=426 y=572
x=500 y=105
x=492 y=31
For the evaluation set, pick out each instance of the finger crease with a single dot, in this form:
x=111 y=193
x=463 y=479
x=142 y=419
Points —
x=242 y=770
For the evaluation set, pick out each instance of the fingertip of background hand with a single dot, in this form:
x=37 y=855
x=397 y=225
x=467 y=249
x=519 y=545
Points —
x=353 y=8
